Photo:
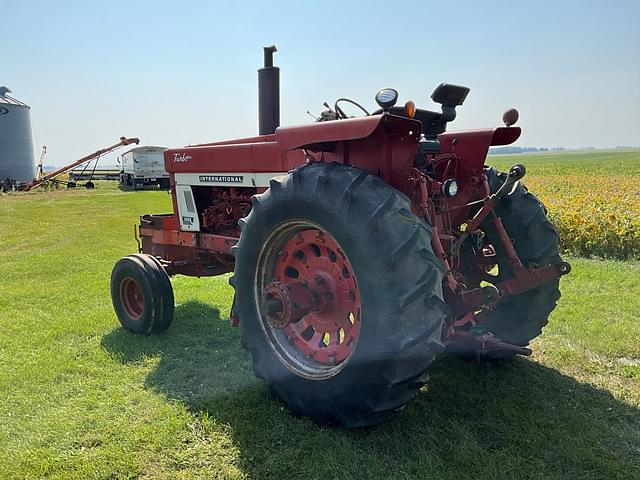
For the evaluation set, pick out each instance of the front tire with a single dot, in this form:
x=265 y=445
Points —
x=379 y=253
x=141 y=294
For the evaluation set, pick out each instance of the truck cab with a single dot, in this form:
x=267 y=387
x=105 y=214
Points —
x=143 y=166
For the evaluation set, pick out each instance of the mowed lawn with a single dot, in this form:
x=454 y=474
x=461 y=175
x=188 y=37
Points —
x=80 y=398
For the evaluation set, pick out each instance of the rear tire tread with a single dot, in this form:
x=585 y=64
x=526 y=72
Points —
x=521 y=318
x=370 y=210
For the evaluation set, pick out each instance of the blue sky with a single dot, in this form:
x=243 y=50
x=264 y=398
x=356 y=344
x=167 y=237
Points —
x=175 y=73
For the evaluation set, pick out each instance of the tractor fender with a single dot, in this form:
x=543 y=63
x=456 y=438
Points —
x=472 y=146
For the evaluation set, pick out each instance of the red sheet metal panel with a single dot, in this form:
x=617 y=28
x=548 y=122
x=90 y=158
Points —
x=472 y=146
x=299 y=136
x=248 y=157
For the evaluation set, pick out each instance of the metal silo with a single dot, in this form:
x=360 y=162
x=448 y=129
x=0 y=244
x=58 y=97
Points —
x=16 y=143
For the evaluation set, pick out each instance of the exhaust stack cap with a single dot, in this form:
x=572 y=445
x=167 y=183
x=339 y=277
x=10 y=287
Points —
x=268 y=55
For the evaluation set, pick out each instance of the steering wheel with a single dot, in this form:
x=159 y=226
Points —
x=340 y=112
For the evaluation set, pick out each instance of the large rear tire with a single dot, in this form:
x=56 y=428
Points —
x=379 y=254
x=518 y=319
x=141 y=294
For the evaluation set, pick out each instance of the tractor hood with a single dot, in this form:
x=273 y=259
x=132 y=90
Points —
x=316 y=135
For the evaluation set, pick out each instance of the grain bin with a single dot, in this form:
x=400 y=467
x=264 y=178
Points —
x=16 y=143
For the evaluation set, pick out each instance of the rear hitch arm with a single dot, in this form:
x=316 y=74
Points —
x=525 y=278
x=516 y=173
x=529 y=278
x=470 y=300
x=485 y=343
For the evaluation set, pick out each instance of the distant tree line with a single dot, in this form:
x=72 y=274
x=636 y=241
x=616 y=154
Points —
x=511 y=149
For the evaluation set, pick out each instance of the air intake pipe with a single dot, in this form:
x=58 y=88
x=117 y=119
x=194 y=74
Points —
x=268 y=94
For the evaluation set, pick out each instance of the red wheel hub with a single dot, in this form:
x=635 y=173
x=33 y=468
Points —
x=132 y=299
x=314 y=298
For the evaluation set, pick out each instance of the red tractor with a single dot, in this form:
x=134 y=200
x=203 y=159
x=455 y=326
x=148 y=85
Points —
x=361 y=249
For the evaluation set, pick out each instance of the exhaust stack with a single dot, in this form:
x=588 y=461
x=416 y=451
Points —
x=268 y=94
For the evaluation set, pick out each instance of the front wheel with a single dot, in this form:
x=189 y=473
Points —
x=339 y=294
x=142 y=295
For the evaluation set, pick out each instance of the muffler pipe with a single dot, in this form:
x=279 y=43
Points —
x=268 y=94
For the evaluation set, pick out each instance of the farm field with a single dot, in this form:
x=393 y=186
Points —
x=80 y=398
x=593 y=198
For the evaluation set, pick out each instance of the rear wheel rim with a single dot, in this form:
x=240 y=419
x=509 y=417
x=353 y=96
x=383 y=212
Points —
x=132 y=299
x=321 y=343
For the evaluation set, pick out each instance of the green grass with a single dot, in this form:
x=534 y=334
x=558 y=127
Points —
x=81 y=398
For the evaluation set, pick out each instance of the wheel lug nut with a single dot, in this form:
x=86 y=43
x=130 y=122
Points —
x=319 y=280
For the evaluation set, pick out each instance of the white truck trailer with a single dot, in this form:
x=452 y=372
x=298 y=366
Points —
x=142 y=166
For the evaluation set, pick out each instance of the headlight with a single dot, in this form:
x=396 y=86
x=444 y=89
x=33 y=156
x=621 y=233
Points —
x=450 y=188
x=387 y=98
